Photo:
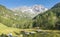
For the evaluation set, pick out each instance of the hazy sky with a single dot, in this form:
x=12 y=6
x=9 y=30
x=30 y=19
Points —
x=16 y=3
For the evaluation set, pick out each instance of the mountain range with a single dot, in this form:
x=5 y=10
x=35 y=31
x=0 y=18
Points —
x=31 y=12
x=18 y=17
x=30 y=17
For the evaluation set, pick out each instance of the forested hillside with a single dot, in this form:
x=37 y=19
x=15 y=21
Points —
x=46 y=20
x=10 y=19
x=50 y=19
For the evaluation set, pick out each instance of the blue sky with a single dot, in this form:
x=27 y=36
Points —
x=16 y=3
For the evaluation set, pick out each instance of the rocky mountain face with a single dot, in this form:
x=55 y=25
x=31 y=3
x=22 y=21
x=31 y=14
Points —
x=30 y=11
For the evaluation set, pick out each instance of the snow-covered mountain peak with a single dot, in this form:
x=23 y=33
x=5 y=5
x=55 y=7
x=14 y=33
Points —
x=30 y=10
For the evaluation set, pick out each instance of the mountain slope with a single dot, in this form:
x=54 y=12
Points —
x=7 y=17
x=49 y=19
x=56 y=6
x=5 y=14
x=11 y=19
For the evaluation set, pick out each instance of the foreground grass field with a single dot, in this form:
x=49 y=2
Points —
x=45 y=33
x=5 y=30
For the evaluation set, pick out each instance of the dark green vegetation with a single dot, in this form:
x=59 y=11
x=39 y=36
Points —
x=9 y=22
x=49 y=19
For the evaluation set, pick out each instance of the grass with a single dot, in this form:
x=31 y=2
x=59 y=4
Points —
x=6 y=30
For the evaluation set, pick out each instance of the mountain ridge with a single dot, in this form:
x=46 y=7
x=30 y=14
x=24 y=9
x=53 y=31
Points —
x=49 y=19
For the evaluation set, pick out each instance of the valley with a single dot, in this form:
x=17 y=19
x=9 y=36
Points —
x=35 y=21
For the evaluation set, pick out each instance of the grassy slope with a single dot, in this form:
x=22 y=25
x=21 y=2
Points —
x=4 y=29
